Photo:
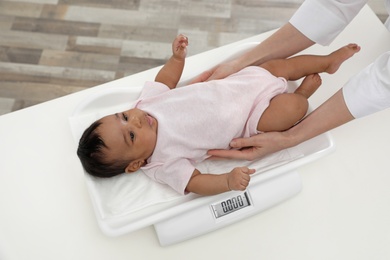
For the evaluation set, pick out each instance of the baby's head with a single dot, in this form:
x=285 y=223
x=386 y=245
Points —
x=118 y=143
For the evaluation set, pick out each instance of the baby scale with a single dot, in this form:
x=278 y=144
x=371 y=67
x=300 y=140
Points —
x=186 y=217
x=189 y=216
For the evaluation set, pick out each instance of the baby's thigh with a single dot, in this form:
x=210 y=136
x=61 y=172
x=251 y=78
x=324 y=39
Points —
x=283 y=112
x=278 y=68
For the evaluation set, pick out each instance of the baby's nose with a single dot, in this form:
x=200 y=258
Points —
x=136 y=122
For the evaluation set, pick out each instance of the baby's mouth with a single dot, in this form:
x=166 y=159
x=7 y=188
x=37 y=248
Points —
x=149 y=118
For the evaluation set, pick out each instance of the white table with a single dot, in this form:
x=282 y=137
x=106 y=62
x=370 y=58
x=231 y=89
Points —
x=343 y=211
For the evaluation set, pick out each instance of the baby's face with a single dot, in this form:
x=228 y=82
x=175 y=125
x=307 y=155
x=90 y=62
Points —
x=129 y=135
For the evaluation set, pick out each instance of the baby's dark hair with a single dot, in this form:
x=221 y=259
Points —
x=92 y=156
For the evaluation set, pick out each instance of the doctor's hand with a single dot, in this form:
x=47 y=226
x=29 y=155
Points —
x=255 y=147
x=221 y=71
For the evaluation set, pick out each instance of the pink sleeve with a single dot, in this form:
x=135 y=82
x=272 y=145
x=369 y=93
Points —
x=175 y=173
x=152 y=88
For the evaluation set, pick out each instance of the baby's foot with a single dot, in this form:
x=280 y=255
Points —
x=309 y=85
x=341 y=55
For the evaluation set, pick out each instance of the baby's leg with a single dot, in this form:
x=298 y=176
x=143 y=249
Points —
x=285 y=110
x=309 y=85
x=297 y=67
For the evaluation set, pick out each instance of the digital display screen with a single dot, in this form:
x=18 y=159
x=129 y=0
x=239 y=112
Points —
x=230 y=205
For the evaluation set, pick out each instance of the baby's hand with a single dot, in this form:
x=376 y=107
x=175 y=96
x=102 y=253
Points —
x=179 y=46
x=238 y=178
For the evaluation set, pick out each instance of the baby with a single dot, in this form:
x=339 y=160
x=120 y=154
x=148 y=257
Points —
x=166 y=132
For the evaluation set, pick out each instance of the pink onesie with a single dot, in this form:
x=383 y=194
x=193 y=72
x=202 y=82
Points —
x=203 y=116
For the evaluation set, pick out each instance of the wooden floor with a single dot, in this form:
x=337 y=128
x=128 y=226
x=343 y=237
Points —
x=50 y=48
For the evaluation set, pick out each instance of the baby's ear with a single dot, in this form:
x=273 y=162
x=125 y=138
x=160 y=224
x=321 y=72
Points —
x=134 y=166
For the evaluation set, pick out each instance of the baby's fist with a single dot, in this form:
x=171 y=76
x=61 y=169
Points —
x=238 y=178
x=179 y=46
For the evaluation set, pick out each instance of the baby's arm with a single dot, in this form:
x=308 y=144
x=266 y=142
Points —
x=211 y=184
x=171 y=72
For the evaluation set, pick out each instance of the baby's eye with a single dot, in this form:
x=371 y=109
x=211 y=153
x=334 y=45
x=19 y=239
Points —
x=124 y=116
x=132 y=136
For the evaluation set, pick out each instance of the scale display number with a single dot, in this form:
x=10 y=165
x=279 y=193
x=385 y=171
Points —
x=230 y=205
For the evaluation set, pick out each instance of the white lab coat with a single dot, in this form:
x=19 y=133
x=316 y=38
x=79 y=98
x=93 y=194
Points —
x=321 y=21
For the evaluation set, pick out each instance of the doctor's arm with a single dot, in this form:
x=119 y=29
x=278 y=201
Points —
x=305 y=28
x=333 y=113
x=171 y=72
x=283 y=43
x=365 y=93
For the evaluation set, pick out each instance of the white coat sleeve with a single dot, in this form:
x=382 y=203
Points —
x=369 y=91
x=387 y=23
x=322 y=20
